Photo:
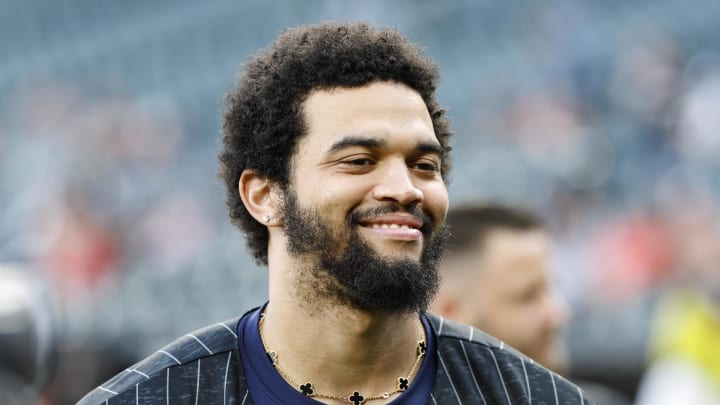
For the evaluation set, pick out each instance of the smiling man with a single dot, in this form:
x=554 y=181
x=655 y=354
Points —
x=335 y=158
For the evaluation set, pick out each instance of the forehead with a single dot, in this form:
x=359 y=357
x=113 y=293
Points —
x=382 y=110
x=510 y=241
x=509 y=261
x=504 y=249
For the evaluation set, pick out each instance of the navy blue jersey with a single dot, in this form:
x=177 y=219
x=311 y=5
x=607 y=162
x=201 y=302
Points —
x=268 y=387
x=205 y=367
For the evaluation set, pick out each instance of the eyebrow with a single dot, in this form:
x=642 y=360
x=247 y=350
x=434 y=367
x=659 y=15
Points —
x=351 y=141
x=374 y=143
x=426 y=147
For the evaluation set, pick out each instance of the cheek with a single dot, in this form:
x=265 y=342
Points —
x=328 y=193
x=518 y=318
x=531 y=319
x=352 y=189
x=436 y=199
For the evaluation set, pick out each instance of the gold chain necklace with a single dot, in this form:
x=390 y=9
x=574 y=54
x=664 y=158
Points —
x=356 y=398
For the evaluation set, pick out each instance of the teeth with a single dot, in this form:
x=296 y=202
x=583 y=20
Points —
x=390 y=226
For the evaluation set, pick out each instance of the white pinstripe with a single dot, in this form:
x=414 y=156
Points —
x=442 y=320
x=502 y=345
x=552 y=378
x=107 y=390
x=227 y=367
x=448 y=376
x=197 y=384
x=472 y=373
x=502 y=380
x=198 y=340
x=245 y=397
x=137 y=394
x=433 y=398
x=228 y=328
x=527 y=381
x=132 y=370
x=167 y=386
x=171 y=356
x=106 y=402
x=471 y=334
x=582 y=400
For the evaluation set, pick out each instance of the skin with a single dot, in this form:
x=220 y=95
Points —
x=504 y=289
x=365 y=147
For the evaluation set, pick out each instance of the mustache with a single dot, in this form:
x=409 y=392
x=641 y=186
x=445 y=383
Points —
x=428 y=224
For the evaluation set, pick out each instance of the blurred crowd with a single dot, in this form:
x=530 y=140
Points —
x=602 y=119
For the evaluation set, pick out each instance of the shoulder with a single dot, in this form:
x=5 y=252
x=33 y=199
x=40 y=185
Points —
x=212 y=344
x=448 y=329
x=473 y=365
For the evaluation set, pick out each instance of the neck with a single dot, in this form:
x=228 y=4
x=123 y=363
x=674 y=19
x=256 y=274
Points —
x=339 y=349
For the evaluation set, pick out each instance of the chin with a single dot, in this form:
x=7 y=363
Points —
x=395 y=257
x=551 y=359
x=398 y=250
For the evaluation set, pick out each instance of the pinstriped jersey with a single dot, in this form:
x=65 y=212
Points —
x=204 y=367
x=475 y=368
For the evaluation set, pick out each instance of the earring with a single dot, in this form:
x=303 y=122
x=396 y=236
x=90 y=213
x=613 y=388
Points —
x=266 y=218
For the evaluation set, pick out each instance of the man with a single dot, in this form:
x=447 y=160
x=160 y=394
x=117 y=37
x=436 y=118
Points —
x=335 y=155
x=496 y=278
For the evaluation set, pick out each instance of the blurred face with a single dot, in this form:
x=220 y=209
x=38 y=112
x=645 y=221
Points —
x=366 y=203
x=508 y=294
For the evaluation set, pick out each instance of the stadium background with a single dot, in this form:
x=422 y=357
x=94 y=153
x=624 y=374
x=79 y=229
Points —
x=602 y=116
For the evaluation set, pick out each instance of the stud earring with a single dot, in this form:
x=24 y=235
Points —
x=266 y=218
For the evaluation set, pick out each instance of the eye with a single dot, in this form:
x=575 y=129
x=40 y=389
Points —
x=531 y=294
x=360 y=161
x=427 y=166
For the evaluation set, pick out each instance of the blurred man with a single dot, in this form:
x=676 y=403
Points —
x=335 y=158
x=497 y=278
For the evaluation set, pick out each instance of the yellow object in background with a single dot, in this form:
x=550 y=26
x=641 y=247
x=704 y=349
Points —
x=687 y=325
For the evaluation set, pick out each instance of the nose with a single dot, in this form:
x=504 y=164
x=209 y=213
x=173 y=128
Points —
x=396 y=184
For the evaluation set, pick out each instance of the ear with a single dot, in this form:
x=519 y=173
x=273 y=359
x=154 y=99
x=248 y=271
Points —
x=444 y=305
x=446 y=302
x=259 y=197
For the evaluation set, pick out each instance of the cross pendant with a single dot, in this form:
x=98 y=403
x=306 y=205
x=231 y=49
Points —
x=356 y=398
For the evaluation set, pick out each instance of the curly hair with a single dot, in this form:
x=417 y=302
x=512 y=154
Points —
x=263 y=118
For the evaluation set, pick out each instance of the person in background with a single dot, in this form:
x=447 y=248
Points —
x=497 y=277
x=335 y=157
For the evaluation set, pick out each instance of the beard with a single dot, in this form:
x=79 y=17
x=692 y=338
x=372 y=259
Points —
x=348 y=271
